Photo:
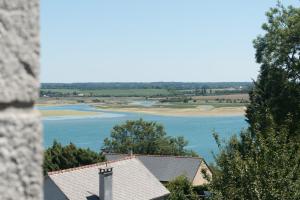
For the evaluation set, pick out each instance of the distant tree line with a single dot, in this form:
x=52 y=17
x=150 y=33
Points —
x=108 y=93
x=182 y=99
x=150 y=85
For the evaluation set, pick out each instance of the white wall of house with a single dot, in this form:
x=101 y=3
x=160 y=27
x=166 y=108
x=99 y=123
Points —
x=199 y=178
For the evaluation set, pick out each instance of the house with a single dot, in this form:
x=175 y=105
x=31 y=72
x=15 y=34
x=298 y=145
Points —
x=126 y=178
x=166 y=168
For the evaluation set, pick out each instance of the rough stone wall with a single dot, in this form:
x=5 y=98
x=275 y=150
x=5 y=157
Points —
x=20 y=127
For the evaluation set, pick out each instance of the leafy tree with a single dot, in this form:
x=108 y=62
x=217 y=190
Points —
x=264 y=161
x=264 y=166
x=59 y=157
x=181 y=189
x=144 y=137
x=277 y=88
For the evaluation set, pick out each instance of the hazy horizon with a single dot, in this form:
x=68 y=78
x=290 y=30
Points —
x=149 y=82
x=150 y=41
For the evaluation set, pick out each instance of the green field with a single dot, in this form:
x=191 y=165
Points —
x=107 y=92
x=121 y=98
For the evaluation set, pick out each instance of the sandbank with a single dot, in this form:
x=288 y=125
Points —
x=50 y=113
x=199 y=111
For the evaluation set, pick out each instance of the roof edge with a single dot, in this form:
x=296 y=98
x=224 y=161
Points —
x=153 y=155
x=154 y=177
x=197 y=171
x=165 y=195
x=88 y=166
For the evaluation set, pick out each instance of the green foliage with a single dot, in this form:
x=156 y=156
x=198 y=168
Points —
x=200 y=189
x=104 y=92
x=277 y=89
x=264 y=161
x=261 y=166
x=60 y=157
x=144 y=137
x=181 y=189
x=155 y=89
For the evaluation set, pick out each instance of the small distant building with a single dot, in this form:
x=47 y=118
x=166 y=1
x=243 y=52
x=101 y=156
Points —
x=123 y=179
x=80 y=95
x=166 y=168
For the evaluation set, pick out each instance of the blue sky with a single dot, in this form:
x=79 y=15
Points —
x=150 y=40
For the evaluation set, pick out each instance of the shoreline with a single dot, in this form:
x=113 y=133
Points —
x=54 y=104
x=192 y=112
x=200 y=111
x=62 y=113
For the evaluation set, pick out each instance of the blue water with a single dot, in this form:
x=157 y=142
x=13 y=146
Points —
x=89 y=131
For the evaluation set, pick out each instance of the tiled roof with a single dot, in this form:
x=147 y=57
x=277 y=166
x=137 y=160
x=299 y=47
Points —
x=131 y=180
x=164 y=167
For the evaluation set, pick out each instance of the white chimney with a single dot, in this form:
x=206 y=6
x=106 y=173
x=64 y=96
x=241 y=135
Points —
x=105 y=183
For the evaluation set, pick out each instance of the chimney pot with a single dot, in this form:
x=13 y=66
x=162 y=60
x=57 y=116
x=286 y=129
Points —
x=105 y=183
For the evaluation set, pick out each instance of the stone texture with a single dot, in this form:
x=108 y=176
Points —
x=19 y=50
x=20 y=156
x=21 y=152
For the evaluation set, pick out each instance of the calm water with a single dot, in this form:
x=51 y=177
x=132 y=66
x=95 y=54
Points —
x=89 y=131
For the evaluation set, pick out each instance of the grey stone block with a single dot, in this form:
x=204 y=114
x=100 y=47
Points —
x=20 y=156
x=19 y=50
